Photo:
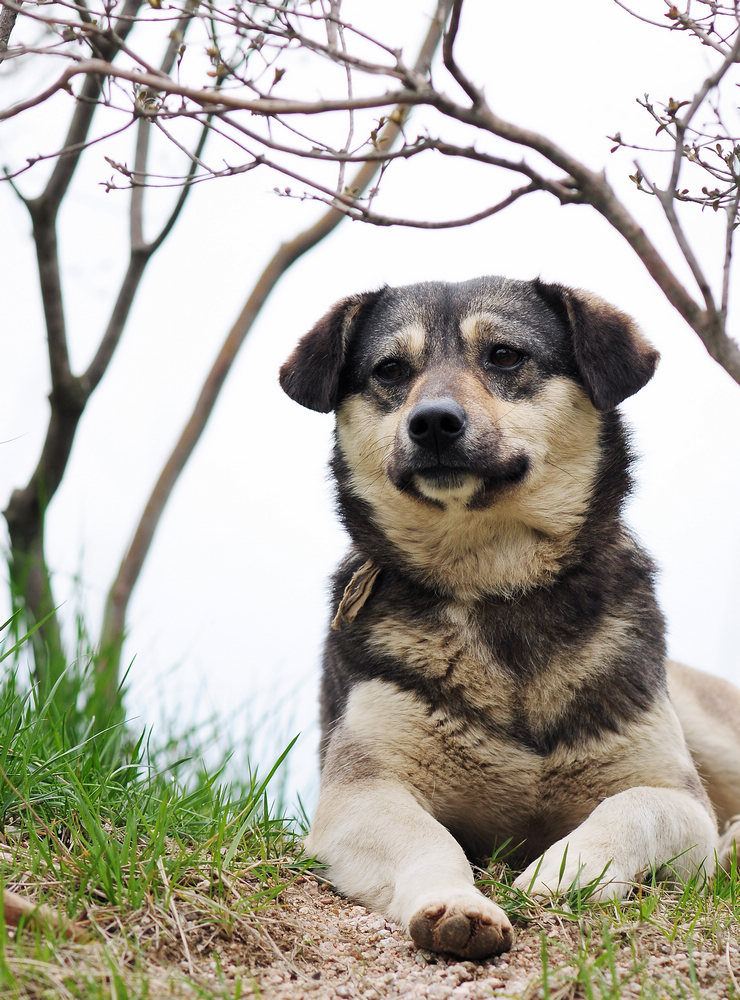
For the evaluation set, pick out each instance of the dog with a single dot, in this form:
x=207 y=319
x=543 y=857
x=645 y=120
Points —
x=496 y=672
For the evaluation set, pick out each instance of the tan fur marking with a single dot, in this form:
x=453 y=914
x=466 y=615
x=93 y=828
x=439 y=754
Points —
x=561 y=431
x=406 y=343
x=451 y=766
x=410 y=341
x=478 y=326
x=430 y=653
x=488 y=687
x=543 y=702
x=650 y=751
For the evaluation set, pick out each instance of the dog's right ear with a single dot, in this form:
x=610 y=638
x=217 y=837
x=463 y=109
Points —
x=311 y=374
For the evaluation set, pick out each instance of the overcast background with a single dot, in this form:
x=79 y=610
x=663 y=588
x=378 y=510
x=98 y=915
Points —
x=230 y=611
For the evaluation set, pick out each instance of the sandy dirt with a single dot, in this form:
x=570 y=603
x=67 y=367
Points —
x=313 y=944
x=339 y=949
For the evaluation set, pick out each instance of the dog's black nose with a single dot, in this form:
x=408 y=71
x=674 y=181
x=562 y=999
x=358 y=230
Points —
x=435 y=424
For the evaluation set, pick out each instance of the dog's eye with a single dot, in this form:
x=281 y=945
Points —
x=391 y=371
x=503 y=357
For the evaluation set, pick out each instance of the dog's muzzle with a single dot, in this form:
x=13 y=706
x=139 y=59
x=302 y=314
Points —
x=444 y=462
x=436 y=430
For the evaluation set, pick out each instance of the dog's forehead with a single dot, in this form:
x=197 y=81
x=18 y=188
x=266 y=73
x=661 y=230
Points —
x=436 y=313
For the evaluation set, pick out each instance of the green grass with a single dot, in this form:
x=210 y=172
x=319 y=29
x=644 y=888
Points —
x=668 y=941
x=127 y=841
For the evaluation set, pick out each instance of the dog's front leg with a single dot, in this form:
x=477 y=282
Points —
x=383 y=849
x=626 y=835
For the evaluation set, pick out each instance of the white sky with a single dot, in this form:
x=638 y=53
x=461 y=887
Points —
x=230 y=611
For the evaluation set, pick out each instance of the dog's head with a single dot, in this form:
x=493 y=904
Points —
x=485 y=396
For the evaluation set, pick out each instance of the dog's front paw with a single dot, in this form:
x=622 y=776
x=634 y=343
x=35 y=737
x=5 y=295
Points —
x=559 y=871
x=469 y=927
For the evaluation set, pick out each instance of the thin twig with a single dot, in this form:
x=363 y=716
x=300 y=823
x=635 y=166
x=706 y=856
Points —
x=175 y=914
x=730 y=969
x=141 y=155
x=732 y=224
x=17 y=908
x=210 y=98
x=358 y=212
x=448 y=46
x=667 y=197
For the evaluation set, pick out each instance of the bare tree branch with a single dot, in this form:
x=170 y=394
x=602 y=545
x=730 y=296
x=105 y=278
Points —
x=212 y=100
x=8 y=17
x=667 y=197
x=376 y=219
x=31 y=161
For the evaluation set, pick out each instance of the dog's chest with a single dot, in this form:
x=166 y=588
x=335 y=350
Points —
x=446 y=659
x=462 y=729
x=470 y=774
x=449 y=662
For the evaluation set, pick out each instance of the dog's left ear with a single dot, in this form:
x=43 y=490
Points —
x=311 y=374
x=612 y=355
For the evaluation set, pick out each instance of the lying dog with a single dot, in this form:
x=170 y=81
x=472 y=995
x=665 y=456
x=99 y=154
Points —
x=496 y=667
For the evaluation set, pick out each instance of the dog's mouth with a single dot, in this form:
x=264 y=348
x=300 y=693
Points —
x=475 y=487
x=445 y=477
x=443 y=484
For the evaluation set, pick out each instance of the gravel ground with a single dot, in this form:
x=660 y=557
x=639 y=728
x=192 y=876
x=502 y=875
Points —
x=313 y=944
x=347 y=951
x=357 y=953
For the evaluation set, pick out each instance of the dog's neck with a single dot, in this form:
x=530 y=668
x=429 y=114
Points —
x=464 y=554
x=522 y=541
